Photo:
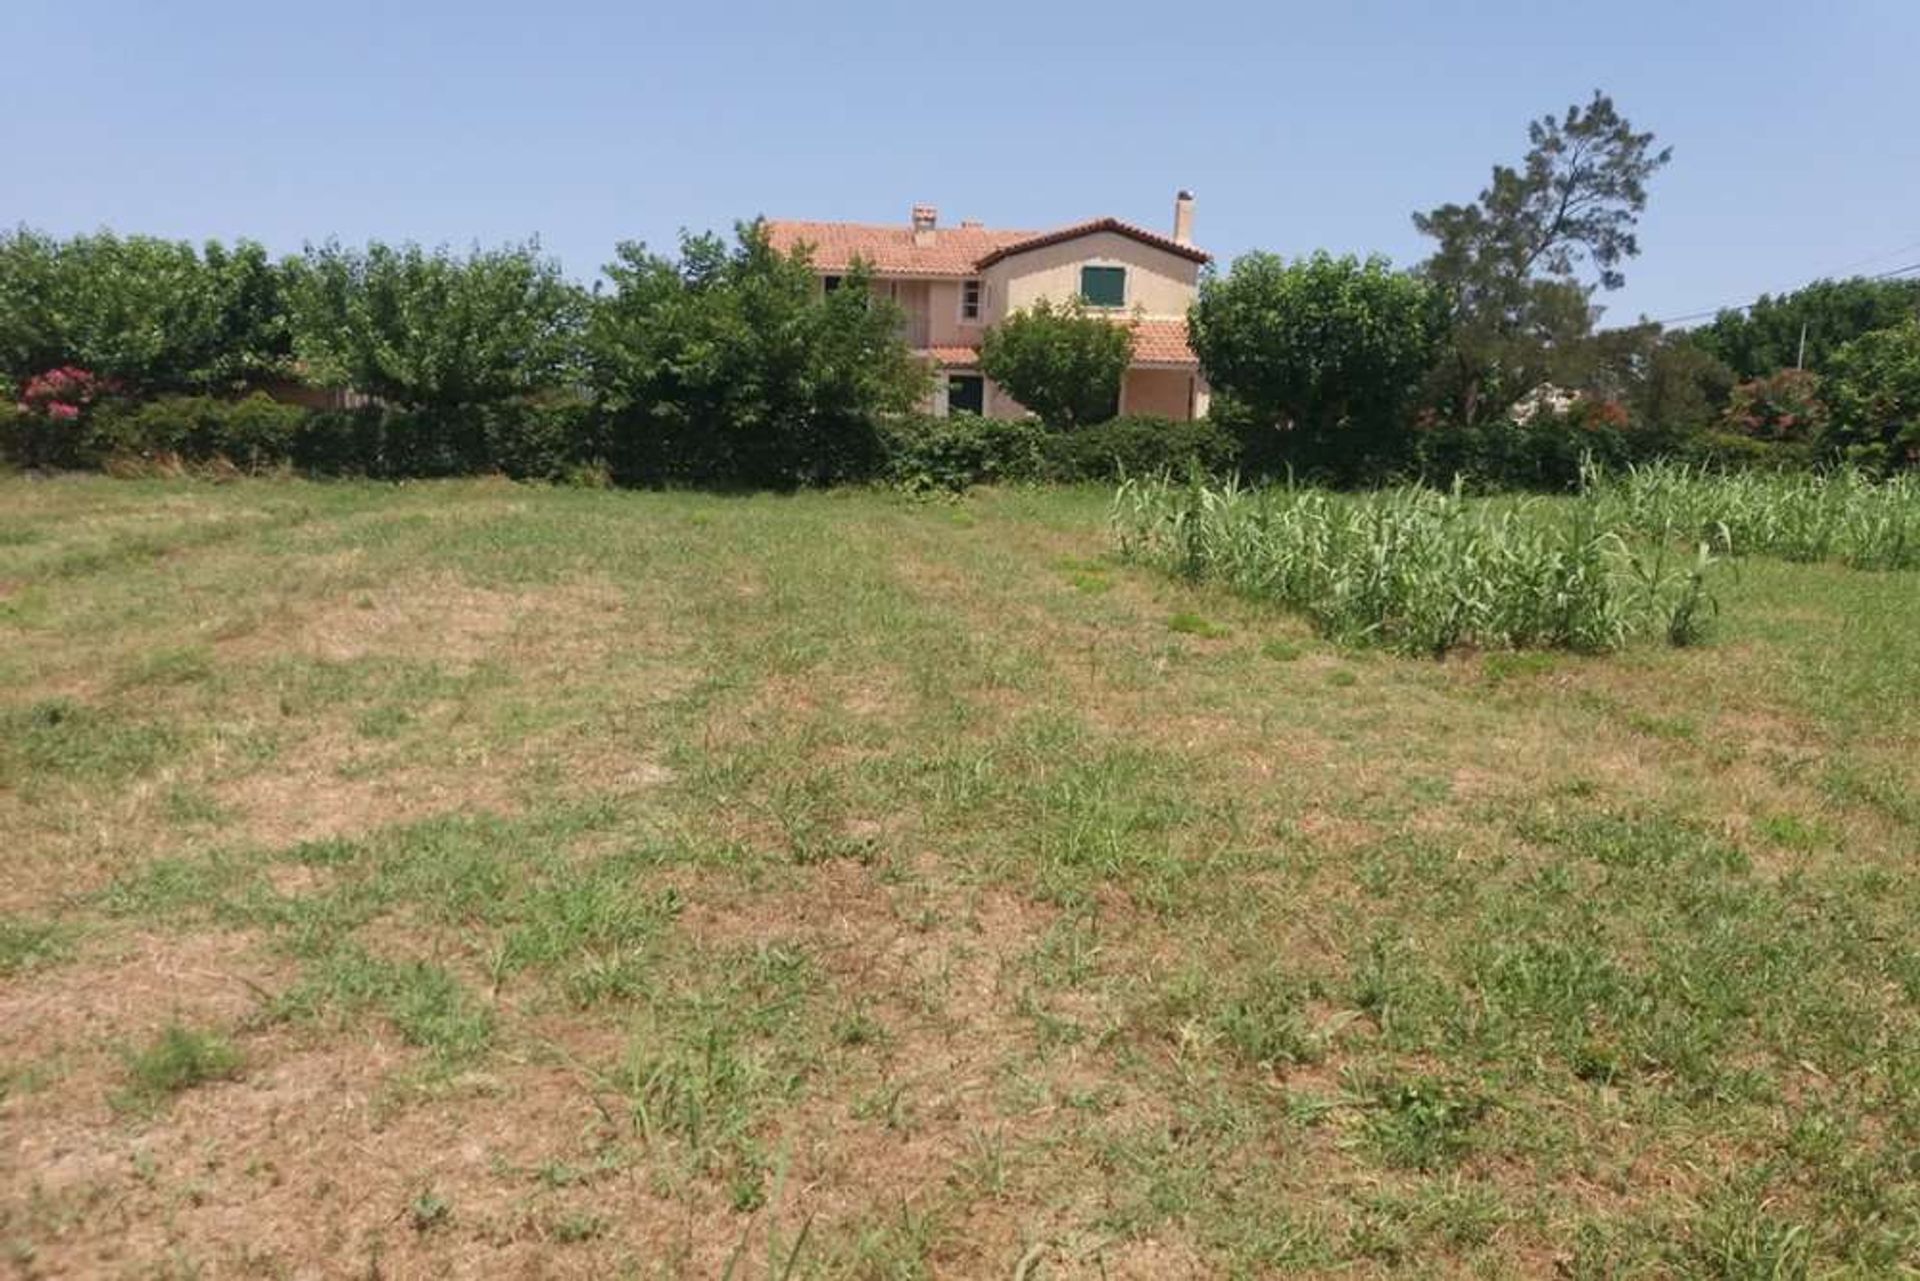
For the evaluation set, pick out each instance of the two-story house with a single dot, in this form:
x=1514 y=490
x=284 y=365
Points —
x=952 y=283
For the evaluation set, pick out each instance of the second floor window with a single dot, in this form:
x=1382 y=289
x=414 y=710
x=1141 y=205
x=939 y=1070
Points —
x=970 y=295
x=1104 y=286
x=830 y=283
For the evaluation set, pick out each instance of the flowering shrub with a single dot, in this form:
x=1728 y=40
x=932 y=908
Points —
x=1785 y=406
x=48 y=413
x=60 y=394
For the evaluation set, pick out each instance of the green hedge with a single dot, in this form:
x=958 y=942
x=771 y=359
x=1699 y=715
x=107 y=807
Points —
x=922 y=453
x=253 y=433
x=1138 y=446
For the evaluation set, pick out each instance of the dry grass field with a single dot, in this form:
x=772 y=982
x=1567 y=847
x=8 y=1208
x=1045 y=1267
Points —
x=471 y=879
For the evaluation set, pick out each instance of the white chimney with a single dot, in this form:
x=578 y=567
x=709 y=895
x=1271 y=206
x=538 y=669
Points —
x=1183 y=218
x=924 y=218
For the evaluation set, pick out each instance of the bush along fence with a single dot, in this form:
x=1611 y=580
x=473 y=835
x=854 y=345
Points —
x=728 y=364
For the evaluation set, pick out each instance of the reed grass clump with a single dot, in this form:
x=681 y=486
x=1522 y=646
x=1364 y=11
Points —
x=1845 y=516
x=1421 y=570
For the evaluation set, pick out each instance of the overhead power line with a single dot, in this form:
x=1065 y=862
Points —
x=1744 y=306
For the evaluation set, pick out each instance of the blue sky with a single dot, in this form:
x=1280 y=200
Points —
x=1797 y=151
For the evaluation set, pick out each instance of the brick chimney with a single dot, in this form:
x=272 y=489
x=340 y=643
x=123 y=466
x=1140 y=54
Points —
x=924 y=218
x=1183 y=218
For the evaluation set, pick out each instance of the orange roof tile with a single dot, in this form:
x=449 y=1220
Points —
x=948 y=357
x=1162 y=342
x=955 y=251
x=1088 y=228
x=890 y=251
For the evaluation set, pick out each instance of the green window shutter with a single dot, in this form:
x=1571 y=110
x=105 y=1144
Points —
x=1104 y=286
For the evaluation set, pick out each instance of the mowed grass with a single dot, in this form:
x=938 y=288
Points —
x=474 y=879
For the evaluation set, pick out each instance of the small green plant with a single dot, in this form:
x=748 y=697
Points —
x=1423 y=1123
x=1188 y=623
x=27 y=945
x=1281 y=651
x=577 y=1226
x=428 y=1211
x=178 y=1059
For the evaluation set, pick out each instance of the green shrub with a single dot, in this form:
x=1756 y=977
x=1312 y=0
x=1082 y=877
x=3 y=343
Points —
x=1321 y=356
x=535 y=441
x=1874 y=390
x=1783 y=406
x=150 y=315
x=1727 y=451
x=1064 y=363
x=527 y=440
x=924 y=453
x=436 y=330
x=253 y=433
x=1545 y=454
x=730 y=366
x=1137 y=446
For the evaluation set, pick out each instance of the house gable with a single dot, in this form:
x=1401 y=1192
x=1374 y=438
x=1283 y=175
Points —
x=1160 y=279
x=1114 y=226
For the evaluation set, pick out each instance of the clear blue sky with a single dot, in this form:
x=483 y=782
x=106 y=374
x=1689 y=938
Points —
x=1794 y=125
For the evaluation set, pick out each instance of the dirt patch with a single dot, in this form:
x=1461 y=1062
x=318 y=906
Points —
x=444 y=619
x=320 y=793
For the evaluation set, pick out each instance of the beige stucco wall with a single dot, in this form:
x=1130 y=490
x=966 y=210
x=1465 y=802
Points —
x=933 y=311
x=1164 y=393
x=1158 y=283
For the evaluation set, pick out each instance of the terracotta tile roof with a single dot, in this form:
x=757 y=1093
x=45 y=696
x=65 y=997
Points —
x=955 y=251
x=1162 y=342
x=950 y=357
x=1079 y=229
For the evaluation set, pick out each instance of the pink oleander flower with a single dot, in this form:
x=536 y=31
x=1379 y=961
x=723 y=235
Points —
x=62 y=394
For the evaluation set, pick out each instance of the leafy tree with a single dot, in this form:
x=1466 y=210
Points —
x=1329 y=349
x=1062 y=362
x=1511 y=261
x=1873 y=389
x=1668 y=385
x=429 y=329
x=731 y=365
x=1831 y=313
x=151 y=315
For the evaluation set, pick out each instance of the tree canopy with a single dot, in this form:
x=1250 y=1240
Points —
x=433 y=329
x=1514 y=262
x=1061 y=361
x=1873 y=390
x=731 y=362
x=1831 y=313
x=152 y=315
x=1330 y=349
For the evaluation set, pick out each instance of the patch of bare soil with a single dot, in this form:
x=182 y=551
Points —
x=444 y=619
x=318 y=794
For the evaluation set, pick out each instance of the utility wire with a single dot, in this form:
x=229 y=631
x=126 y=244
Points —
x=1744 y=306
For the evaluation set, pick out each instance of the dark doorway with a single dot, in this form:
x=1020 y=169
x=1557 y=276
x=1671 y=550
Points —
x=966 y=394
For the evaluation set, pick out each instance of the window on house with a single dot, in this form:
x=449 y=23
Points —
x=966 y=394
x=970 y=296
x=1104 y=286
x=830 y=283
